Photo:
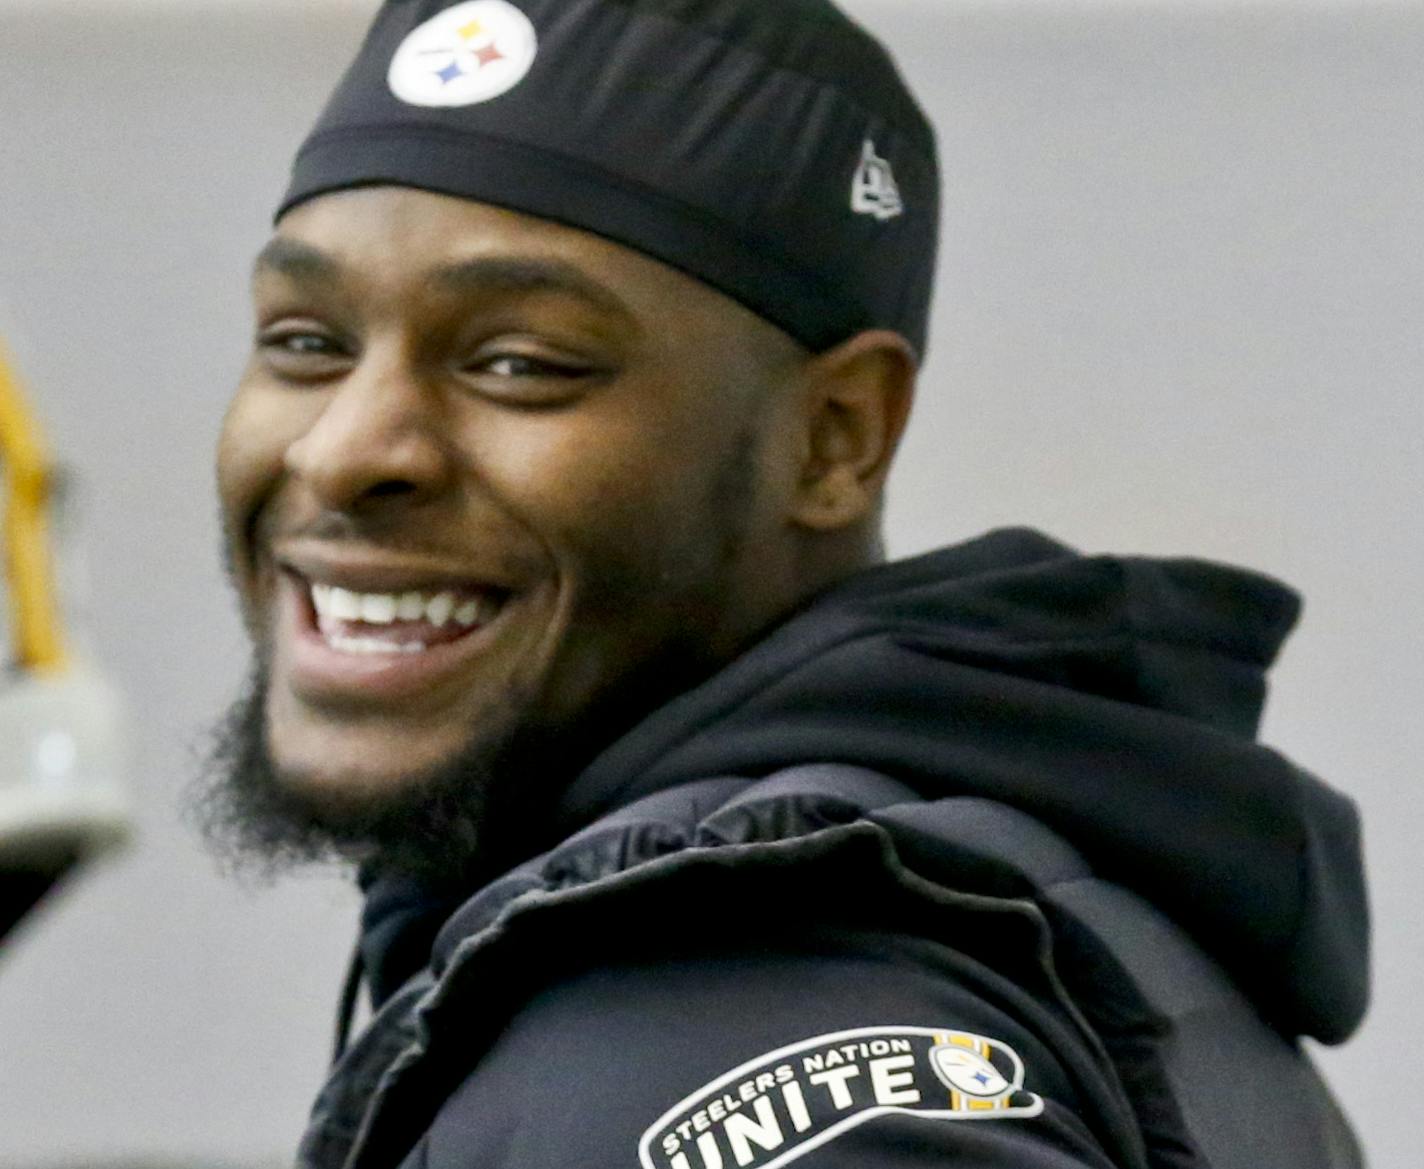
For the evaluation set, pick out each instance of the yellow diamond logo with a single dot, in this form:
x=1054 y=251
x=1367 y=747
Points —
x=471 y=30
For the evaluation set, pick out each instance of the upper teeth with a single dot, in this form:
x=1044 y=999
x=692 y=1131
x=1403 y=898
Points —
x=333 y=603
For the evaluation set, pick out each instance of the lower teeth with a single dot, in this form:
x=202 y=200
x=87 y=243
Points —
x=373 y=645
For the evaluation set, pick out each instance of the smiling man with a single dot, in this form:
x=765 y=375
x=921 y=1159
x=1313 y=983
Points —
x=499 y=485
x=693 y=835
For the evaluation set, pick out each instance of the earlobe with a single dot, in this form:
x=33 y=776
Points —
x=857 y=399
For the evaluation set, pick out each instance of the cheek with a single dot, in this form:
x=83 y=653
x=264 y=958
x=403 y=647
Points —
x=257 y=430
x=616 y=492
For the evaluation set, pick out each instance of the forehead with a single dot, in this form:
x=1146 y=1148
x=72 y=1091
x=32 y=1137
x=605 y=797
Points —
x=394 y=238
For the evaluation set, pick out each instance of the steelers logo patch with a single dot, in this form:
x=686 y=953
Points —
x=782 y=1105
x=467 y=54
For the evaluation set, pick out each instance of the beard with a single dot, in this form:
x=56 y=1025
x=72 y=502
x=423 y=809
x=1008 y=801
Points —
x=475 y=814
x=260 y=819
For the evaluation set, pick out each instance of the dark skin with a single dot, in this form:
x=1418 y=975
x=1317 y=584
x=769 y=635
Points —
x=648 y=474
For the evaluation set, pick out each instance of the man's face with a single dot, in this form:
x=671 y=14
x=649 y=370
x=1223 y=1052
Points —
x=485 y=477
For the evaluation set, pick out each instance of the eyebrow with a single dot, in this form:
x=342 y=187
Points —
x=519 y=276
x=289 y=257
x=481 y=275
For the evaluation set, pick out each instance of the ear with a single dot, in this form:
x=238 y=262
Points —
x=856 y=400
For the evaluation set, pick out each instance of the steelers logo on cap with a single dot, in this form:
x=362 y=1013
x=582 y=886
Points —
x=467 y=54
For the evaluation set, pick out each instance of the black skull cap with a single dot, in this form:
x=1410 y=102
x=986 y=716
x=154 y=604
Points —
x=768 y=148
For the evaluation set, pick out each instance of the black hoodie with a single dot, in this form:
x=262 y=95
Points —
x=1114 y=700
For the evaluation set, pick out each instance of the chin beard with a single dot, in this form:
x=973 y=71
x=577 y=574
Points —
x=261 y=820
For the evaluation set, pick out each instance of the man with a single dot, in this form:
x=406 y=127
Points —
x=694 y=836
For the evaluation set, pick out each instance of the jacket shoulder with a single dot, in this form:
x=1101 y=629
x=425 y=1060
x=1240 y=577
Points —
x=716 y=1032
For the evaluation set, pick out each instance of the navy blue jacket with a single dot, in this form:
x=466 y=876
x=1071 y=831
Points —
x=975 y=861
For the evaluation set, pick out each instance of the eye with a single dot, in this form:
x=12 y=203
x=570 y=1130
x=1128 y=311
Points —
x=530 y=379
x=521 y=365
x=302 y=352
x=301 y=343
x=304 y=343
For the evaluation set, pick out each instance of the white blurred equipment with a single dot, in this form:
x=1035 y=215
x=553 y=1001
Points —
x=61 y=797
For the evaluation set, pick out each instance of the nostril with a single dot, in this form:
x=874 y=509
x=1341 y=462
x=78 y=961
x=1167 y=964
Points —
x=391 y=487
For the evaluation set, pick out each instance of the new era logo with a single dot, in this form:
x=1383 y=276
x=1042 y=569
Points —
x=873 y=191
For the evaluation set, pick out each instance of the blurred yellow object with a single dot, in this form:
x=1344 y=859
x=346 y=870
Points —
x=36 y=633
x=62 y=797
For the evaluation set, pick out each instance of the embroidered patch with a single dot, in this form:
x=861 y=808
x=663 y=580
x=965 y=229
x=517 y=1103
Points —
x=773 y=1109
x=466 y=54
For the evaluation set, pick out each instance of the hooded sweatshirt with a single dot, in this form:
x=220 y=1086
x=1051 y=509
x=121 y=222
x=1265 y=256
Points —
x=1003 y=724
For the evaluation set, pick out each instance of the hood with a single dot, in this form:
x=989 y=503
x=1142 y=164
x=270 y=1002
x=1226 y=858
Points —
x=1116 y=699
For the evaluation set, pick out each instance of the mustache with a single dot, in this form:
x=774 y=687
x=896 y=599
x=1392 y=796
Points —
x=391 y=528
x=488 y=542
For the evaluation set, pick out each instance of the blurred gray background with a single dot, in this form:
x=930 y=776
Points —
x=1181 y=311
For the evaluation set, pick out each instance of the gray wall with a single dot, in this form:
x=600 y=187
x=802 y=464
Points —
x=1182 y=311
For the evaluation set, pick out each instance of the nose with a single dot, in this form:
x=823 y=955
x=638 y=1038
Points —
x=378 y=436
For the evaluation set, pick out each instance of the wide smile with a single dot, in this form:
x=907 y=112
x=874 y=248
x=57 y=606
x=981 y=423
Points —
x=346 y=644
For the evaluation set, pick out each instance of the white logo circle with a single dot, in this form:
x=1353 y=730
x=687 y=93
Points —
x=467 y=54
x=969 y=1072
